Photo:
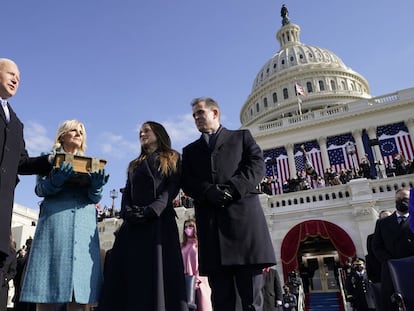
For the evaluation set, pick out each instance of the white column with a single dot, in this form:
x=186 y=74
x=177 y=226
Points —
x=291 y=159
x=359 y=144
x=372 y=134
x=324 y=153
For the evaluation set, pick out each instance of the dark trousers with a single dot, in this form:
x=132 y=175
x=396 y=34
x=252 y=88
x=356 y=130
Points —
x=387 y=289
x=244 y=280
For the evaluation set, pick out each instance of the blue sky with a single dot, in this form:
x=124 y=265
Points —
x=115 y=64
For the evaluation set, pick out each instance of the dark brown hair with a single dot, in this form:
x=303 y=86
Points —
x=168 y=157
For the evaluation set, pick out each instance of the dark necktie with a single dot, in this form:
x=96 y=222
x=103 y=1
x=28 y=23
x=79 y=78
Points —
x=6 y=110
x=210 y=139
x=401 y=219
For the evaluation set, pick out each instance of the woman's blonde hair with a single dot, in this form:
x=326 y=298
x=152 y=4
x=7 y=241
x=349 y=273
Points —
x=65 y=127
x=190 y=221
x=168 y=157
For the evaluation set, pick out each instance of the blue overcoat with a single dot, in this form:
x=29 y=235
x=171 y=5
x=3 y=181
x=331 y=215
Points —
x=65 y=254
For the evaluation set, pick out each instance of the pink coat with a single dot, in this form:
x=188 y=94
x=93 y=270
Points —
x=203 y=291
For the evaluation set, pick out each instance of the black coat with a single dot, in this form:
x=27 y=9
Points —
x=237 y=234
x=391 y=241
x=373 y=266
x=8 y=272
x=272 y=290
x=360 y=292
x=13 y=160
x=145 y=271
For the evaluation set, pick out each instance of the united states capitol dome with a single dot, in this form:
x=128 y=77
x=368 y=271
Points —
x=299 y=79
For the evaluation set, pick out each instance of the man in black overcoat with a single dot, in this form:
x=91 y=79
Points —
x=393 y=239
x=13 y=155
x=221 y=172
x=272 y=290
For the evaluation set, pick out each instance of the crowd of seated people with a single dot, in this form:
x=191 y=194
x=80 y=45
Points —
x=400 y=166
x=301 y=181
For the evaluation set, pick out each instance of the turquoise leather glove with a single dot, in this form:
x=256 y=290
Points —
x=60 y=175
x=98 y=179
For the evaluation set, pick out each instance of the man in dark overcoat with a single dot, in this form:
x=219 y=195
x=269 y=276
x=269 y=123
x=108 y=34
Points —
x=221 y=172
x=393 y=239
x=272 y=290
x=13 y=155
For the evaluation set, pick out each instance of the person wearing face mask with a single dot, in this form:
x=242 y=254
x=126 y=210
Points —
x=358 y=288
x=189 y=250
x=393 y=239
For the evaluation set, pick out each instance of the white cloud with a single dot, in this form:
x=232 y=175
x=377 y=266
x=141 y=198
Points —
x=117 y=146
x=182 y=130
x=36 y=137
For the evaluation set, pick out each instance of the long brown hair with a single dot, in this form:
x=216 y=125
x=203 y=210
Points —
x=168 y=157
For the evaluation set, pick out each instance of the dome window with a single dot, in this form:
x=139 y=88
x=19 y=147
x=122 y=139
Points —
x=310 y=55
x=292 y=58
x=274 y=97
x=333 y=85
x=301 y=56
x=257 y=107
x=285 y=93
x=251 y=112
x=274 y=66
x=265 y=102
x=309 y=87
x=321 y=85
x=283 y=61
x=267 y=70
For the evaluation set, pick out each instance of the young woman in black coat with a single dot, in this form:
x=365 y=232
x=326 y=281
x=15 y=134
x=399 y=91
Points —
x=146 y=269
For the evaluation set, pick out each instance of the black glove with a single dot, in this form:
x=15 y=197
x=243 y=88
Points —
x=219 y=195
x=134 y=215
x=138 y=214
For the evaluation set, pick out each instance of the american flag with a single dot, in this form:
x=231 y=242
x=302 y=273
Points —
x=314 y=155
x=394 y=139
x=338 y=156
x=277 y=165
x=299 y=89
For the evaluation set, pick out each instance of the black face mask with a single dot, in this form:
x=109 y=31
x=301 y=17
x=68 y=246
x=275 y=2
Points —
x=359 y=268
x=402 y=205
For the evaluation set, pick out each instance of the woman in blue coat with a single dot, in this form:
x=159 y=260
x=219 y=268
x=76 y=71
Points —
x=64 y=265
x=146 y=269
